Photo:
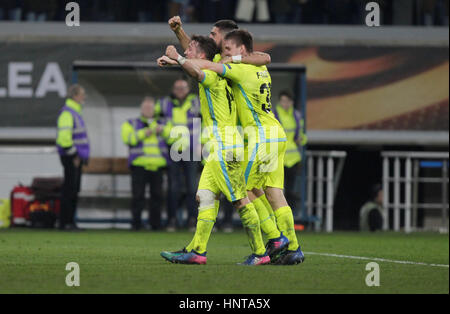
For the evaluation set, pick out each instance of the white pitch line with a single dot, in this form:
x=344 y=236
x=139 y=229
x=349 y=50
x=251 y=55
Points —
x=376 y=259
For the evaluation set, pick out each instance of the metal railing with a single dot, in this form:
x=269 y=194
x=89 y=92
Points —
x=322 y=183
x=410 y=179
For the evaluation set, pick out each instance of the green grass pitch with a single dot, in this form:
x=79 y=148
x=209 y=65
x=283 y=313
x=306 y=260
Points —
x=129 y=262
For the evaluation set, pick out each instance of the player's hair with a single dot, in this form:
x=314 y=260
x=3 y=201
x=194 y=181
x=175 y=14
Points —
x=241 y=37
x=207 y=45
x=226 y=26
x=286 y=93
x=74 y=90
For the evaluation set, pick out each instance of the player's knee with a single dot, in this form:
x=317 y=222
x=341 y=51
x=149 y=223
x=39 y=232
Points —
x=272 y=195
x=205 y=198
x=276 y=198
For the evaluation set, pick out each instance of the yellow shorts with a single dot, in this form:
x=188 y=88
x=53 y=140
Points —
x=223 y=173
x=264 y=164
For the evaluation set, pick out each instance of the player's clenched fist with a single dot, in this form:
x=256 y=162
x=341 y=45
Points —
x=175 y=23
x=165 y=61
x=171 y=52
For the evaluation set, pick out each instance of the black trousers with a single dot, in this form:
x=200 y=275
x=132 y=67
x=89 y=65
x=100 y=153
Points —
x=375 y=220
x=140 y=179
x=71 y=188
x=290 y=176
x=188 y=169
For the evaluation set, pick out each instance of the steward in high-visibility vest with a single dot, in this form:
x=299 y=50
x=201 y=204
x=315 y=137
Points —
x=371 y=213
x=147 y=148
x=148 y=155
x=72 y=134
x=293 y=125
x=73 y=147
x=179 y=111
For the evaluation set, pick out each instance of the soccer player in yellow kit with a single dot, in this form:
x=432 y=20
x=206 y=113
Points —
x=223 y=171
x=264 y=169
x=276 y=241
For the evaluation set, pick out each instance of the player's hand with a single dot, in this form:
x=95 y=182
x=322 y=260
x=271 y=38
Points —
x=165 y=61
x=148 y=132
x=226 y=60
x=175 y=23
x=171 y=52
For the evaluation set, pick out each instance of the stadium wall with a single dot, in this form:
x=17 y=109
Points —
x=359 y=78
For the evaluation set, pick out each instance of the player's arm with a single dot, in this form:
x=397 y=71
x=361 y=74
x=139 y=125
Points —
x=234 y=72
x=175 y=26
x=165 y=61
x=190 y=67
x=255 y=58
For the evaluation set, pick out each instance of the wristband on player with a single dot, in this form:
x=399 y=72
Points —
x=237 y=59
x=181 y=60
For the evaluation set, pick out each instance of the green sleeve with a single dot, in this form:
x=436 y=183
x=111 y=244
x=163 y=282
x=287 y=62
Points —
x=130 y=136
x=65 y=129
x=304 y=137
x=166 y=133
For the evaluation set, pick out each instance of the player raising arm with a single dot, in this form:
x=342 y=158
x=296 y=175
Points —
x=223 y=171
x=218 y=32
x=265 y=136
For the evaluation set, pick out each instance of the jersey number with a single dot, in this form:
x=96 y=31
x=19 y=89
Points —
x=267 y=107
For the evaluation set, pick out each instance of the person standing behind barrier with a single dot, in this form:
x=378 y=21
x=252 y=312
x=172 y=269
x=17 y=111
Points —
x=293 y=124
x=179 y=109
x=73 y=147
x=147 y=158
x=371 y=213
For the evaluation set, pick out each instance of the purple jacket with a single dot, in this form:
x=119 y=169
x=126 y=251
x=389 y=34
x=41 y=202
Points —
x=79 y=135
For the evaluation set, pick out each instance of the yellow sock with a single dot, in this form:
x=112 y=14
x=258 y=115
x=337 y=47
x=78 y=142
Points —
x=285 y=222
x=250 y=221
x=268 y=226
x=264 y=199
x=205 y=222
